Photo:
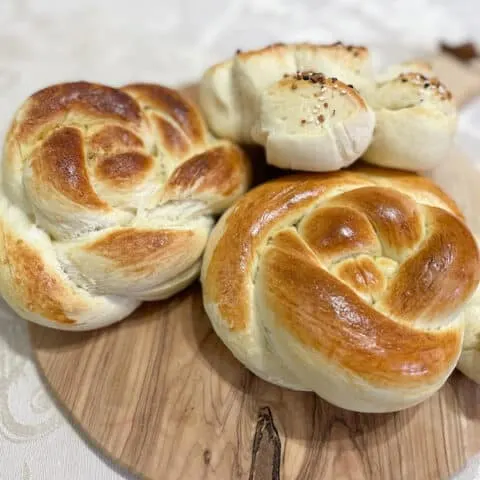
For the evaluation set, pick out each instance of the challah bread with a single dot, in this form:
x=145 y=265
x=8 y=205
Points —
x=307 y=117
x=233 y=93
x=415 y=120
x=107 y=200
x=349 y=284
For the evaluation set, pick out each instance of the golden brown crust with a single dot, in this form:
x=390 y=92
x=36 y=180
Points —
x=99 y=174
x=146 y=248
x=124 y=169
x=222 y=169
x=362 y=274
x=440 y=277
x=324 y=314
x=397 y=219
x=174 y=140
x=247 y=227
x=393 y=215
x=111 y=137
x=85 y=98
x=333 y=232
x=170 y=103
x=352 y=281
x=409 y=182
x=41 y=290
x=59 y=163
x=75 y=130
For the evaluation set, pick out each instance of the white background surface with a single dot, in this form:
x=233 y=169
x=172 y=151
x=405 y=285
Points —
x=118 y=41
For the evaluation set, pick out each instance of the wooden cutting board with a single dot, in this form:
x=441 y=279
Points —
x=162 y=396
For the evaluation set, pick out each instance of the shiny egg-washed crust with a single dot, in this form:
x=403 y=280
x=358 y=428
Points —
x=348 y=284
x=108 y=197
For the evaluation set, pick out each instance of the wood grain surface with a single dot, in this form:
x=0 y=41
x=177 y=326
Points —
x=161 y=395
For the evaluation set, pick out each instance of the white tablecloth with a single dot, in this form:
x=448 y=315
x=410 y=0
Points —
x=169 y=41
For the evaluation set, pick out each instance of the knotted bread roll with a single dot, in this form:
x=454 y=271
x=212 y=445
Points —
x=349 y=284
x=413 y=115
x=247 y=99
x=416 y=119
x=331 y=121
x=107 y=200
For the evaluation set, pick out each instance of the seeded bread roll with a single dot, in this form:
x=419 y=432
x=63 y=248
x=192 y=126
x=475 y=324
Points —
x=314 y=123
x=414 y=117
x=234 y=97
x=416 y=120
x=349 y=284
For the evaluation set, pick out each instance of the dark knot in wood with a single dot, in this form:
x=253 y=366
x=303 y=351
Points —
x=266 y=448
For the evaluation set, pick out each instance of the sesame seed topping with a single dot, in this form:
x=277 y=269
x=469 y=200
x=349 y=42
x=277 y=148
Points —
x=404 y=80
x=333 y=113
x=321 y=118
x=303 y=121
x=350 y=85
x=294 y=86
x=238 y=51
x=334 y=79
x=343 y=92
x=325 y=105
x=426 y=85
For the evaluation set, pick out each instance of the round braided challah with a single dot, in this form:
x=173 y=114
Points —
x=108 y=197
x=348 y=284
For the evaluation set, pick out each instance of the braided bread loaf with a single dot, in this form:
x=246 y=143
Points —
x=349 y=284
x=107 y=200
